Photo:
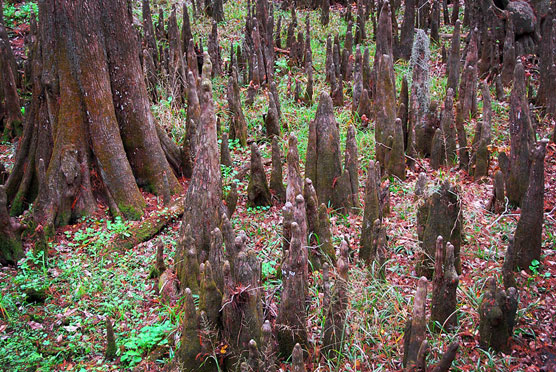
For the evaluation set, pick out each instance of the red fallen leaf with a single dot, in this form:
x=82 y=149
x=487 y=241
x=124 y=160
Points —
x=34 y=325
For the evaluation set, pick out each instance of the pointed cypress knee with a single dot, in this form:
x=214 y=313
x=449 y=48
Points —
x=311 y=209
x=204 y=194
x=351 y=165
x=371 y=212
x=444 y=285
x=110 y=352
x=225 y=156
x=238 y=125
x=258 y=193
x=388 y=130
x=508 y=267
x=329 y=61
x=440 y=214
x=357 y=80
x=242 y=315
x=11 y=248
x=287 y=220
x=453 y=65
x=210 y=296
x=254 y=361
x=364 y=110
x=498 y=200
x=295 y=182
x=420 y=95
x=528 y=233
x=415 y=327
x=334 y=331
x=298 y=364
x=190 y=346
x=448 y=127
x=509 y=56
x=407 y=31
x=277 y=188
x=325 y=234
x=272 y=121
x=291 y=321
x=268 y=349
x=231 y=200
x=521 y=139
x=420 y=185
x=186 y=263
x=481 y=141
x=323 y=161
x=438 y=151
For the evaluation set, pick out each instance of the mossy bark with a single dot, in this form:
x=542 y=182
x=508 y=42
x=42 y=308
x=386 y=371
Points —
x=146 y=229
x=419 y=98
x=98 y=116
x=191 y=342
x=11 y=248
x=204 y=195
x=439 y=215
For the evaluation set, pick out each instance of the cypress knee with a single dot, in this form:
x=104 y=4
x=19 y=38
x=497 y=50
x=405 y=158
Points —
x=258 y=193
x=291 y=321
x=276 y=184
x=528 y=233
x=440 y=214
x=444 y=285
x=497 y=316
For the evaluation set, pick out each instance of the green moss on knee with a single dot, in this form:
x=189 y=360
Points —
x=130 y=212
x=17 y=207
x=11 y=249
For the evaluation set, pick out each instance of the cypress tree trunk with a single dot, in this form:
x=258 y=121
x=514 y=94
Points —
x=89 y=120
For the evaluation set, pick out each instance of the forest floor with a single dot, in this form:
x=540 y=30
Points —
x=53 y=309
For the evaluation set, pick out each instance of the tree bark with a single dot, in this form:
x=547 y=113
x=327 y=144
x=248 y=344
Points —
x=90 y=118
x=10 y=114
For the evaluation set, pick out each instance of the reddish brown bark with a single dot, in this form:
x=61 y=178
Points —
x=10 y=114
x=204 y=195
x=90 y=118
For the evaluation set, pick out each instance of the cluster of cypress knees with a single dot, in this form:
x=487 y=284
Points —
x=216 y=264
x=231 y=307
